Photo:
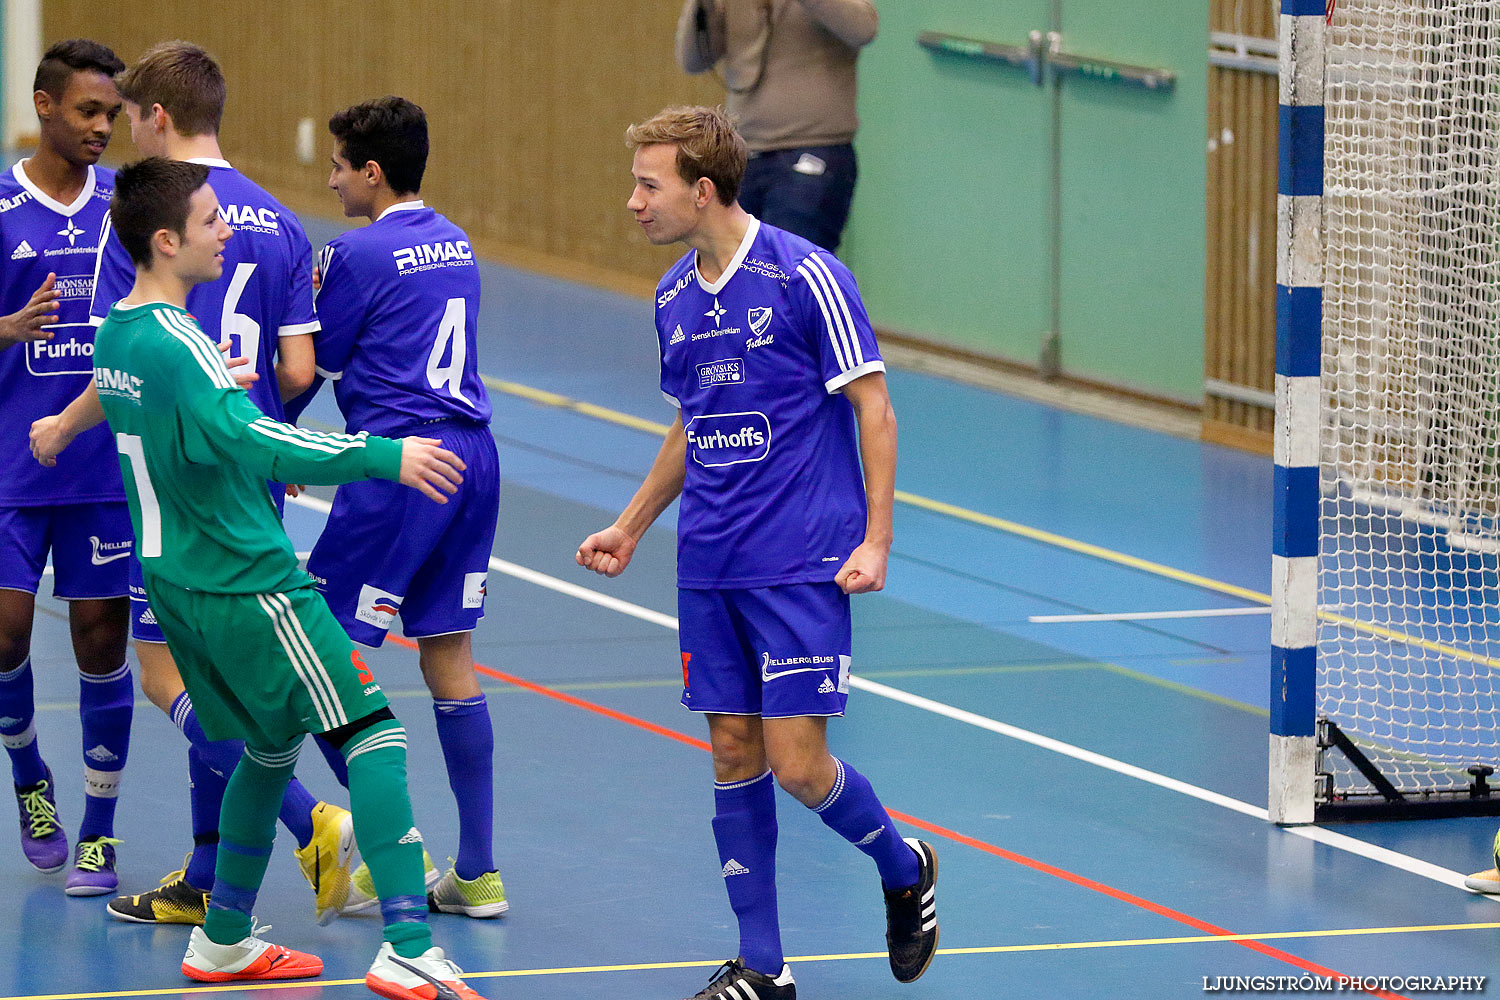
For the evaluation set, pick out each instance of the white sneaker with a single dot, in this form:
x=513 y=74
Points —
x=1486 y=881
x=248 y=958
x=429 y=976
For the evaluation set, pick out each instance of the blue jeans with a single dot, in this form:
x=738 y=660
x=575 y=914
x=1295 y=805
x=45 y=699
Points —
x=806 y=191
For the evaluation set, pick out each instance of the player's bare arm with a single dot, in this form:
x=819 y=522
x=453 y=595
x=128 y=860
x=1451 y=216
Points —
x=50 y=435
x=294 y=365
x=864 y=570
x=430 y=468
x=25 y=325
x=608 y=552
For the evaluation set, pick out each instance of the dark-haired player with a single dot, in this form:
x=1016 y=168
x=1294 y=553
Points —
x=51 y=207
x=399 y=303
x=262 y=305
x=265 y=661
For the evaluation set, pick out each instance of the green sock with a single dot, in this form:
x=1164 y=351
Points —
x=388 y=839
x=247 y=827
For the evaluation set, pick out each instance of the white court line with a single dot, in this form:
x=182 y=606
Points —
x=1328 y=838
x=1144 y=616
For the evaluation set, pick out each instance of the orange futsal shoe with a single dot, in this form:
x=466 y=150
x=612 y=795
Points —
x=248 y=958
x=429 y=976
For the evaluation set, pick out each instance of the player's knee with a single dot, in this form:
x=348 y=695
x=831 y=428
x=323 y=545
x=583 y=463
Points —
x=353 y=736
x=100 y=632
x=801 y=782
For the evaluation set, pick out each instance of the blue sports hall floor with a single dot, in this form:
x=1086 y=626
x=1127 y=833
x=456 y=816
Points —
x=1095 y=790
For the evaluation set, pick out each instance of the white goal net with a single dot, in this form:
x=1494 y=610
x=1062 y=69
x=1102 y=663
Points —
x=1409 y=601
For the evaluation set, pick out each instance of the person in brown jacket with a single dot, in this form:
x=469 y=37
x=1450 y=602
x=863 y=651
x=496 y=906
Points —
x=788 y=67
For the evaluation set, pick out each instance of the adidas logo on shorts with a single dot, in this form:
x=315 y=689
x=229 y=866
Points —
x=23 y=251
x=826 y=687
x=733 y=867
x=412 y=836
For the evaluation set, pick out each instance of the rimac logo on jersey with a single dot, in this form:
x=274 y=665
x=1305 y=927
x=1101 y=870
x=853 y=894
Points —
x=69 y=352
x=730 y=371
x=113 y=382
x=377 y=607
x=247 y=217
x=425 y=256
x=719 y=439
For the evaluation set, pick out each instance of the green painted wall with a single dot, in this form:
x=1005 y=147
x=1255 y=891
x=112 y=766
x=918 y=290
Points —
x=949 y=236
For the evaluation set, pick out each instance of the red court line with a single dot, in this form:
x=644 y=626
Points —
x=941 y=831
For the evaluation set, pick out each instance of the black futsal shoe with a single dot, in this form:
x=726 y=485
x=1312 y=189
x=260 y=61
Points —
x=911 y=926
x=733 y=981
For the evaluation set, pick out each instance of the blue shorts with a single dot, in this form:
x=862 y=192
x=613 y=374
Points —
x=388 y=550
x=776 y=652
x=143 y=626
x=90 y=545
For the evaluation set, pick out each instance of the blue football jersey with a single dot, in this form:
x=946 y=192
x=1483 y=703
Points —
x=773 y=491
x=39 y=236
x=399 y=303
x=264 y=294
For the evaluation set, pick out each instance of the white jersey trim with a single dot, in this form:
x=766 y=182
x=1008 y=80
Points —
x=671 y=399
x=402 y=206
x=212 y=161
x=198 y=346
x=299 y=329
x=19 y=173
x=839 y=381
x=330 y=376
x=734 y=264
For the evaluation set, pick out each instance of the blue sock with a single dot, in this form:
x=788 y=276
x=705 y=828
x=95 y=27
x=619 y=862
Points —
x=468 y=741
x=18 y=730
x=335 y=758
x=222 y=756
x=296 y=811
x=853 y=812
x=745 y=831
x=106 y=703
x=206 y=796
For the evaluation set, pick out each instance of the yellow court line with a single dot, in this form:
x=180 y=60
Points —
x=851 y=956
x=546 y=398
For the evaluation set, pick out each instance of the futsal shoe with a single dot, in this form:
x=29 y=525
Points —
x=175 y=902
x=329 y=859
x=1485 y=881
x=429 y=976
x=362 y=898
x=911 y=926
x=249 y=958
x=733 y=981
x=480 y=897
x=93 y=871
x=42 y=837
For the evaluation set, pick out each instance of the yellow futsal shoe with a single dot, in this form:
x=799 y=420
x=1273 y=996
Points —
x=362 y=887
x=329 y=859
x=175 y=902
x=481 y=897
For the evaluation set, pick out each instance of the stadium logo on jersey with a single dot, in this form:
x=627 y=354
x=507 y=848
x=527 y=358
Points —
x=760 y=318
x=15 y=201
x=108 y=552
x=719 y=439
x=677 y=336
x=23 y=251
x=71 y=231
x=474 y=590
x=730 y=371
x=425 y=256
x=113 y=382
x=377 y=607
x=249 y=218
x=671 y=293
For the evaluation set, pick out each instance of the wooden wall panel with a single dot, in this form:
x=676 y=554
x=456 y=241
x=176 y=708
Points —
x=1240 y=313
x=527 y=105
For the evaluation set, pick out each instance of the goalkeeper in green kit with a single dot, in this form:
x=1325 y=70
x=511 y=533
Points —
x=261 y=655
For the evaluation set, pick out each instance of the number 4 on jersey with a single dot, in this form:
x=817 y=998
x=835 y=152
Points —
x=450 y=331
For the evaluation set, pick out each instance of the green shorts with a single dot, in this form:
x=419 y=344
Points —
x=264 y=668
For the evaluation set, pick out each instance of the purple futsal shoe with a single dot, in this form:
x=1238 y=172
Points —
x=42 y=837
x=93 y=871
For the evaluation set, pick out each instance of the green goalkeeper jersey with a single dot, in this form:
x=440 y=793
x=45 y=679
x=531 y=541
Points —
x=196 y=454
